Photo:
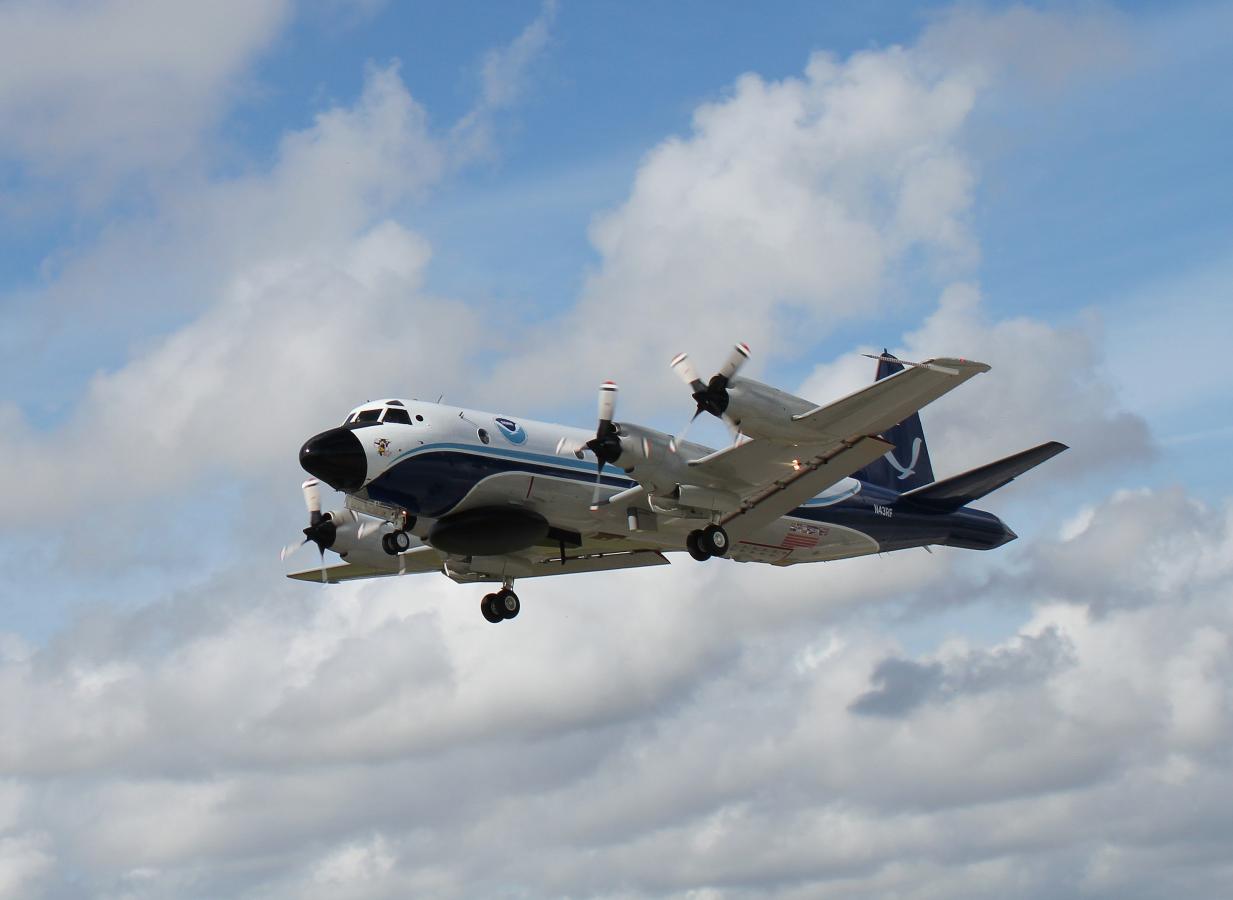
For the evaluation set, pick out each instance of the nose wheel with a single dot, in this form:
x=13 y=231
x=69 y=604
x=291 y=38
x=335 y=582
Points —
x=502 y=605
x=706 y=542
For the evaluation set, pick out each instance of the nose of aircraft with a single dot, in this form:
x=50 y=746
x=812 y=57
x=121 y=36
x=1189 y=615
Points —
x=337 y=458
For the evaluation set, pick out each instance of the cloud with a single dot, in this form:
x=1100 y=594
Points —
x=1027 y=47
x=1048 y=382
x=785 y=208
x=96 y=92
x=381 y=738
x=904 y=684
x=289 y=264
x=503 y=78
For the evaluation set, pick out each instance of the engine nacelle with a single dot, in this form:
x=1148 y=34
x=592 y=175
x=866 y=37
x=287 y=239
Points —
x=762 y=411
x=693 y=502
x=649 y=456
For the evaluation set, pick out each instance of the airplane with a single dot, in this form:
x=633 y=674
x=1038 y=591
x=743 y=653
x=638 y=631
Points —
x=490 y=498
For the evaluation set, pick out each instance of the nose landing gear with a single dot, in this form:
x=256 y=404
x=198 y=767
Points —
x=502 y=605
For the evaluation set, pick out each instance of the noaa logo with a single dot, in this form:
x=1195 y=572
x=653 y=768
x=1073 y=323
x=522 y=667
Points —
x=511 y=430
x=910 y=468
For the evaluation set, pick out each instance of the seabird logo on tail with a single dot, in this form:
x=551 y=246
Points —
x=911 y=467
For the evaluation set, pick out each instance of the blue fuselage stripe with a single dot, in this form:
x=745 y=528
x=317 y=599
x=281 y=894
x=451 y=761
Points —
x=433 y=479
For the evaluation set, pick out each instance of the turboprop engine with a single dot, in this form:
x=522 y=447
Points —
x=651 y=456
x=747 y=406
x=346 y=532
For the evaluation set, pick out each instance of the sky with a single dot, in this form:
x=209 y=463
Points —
x=224 y=225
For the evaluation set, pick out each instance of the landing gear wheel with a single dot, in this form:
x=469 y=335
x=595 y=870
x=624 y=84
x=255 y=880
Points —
x=488 y=606
x=691 y=544
x=713 y=541
x=395 y=542
x=506 y=603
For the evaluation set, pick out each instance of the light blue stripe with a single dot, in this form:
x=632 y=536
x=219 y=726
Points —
x=520 y=455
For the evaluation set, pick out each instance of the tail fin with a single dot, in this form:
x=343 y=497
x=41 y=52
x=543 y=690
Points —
x=951 y=493
x=907 y=467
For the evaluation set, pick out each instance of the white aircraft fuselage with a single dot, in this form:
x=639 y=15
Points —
x=451 y=460
x=487 y=497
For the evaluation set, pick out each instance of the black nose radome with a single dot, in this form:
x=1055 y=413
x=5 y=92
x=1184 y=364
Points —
x=337 y=458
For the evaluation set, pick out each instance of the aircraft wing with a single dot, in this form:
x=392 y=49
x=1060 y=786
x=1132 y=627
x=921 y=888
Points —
x=887 y=402
x=773 y=477
x=414 y=561
x=529 y=564
x=532 y=563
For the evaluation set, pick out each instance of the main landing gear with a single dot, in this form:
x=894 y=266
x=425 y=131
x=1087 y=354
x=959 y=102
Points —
x=395 y=542
x=500 y=606
x=707 y=542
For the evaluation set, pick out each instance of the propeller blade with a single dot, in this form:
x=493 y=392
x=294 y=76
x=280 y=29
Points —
x=291 y=548
x=607 y=401
x=599 y=474
x=325 y=578
x=680 y=438
x=740 y=353
x=685 y=370
x=733 y=428
x=312 y=495
x=568 y=445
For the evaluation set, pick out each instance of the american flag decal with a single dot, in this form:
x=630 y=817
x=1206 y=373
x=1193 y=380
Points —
x=798 y=541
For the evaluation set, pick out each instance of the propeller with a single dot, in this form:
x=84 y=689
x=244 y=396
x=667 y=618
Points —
x=606 y=445
x=711 y=396
x=321 y=529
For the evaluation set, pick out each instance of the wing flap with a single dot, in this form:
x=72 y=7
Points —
x=813 y=476
x=415 y=561
x=887 y=402
x=598 y=562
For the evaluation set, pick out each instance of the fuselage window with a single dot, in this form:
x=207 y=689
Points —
x=483 y=436
x=419 y=418
x=368 y=415
x=401 y=416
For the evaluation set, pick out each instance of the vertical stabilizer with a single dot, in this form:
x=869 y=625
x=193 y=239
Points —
x=907 y=467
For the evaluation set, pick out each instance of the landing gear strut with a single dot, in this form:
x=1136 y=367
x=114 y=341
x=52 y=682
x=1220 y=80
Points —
x=502 y=605
x=707 y=542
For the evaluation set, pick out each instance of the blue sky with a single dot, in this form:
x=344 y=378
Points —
x=222 y=228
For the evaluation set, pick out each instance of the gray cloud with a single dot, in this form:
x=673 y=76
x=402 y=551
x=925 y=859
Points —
x=901 y=685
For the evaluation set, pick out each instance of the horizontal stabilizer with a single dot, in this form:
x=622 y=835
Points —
x=952 y=493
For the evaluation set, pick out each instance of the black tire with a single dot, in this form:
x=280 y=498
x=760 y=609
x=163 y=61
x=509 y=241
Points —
x=395 y=542
x=507 y=603
x=713 y=541
x=488 y=606
x=691 y=544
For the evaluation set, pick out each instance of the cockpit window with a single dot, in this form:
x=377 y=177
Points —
x=368 y=415
x=393 y=403
x=398 y=415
